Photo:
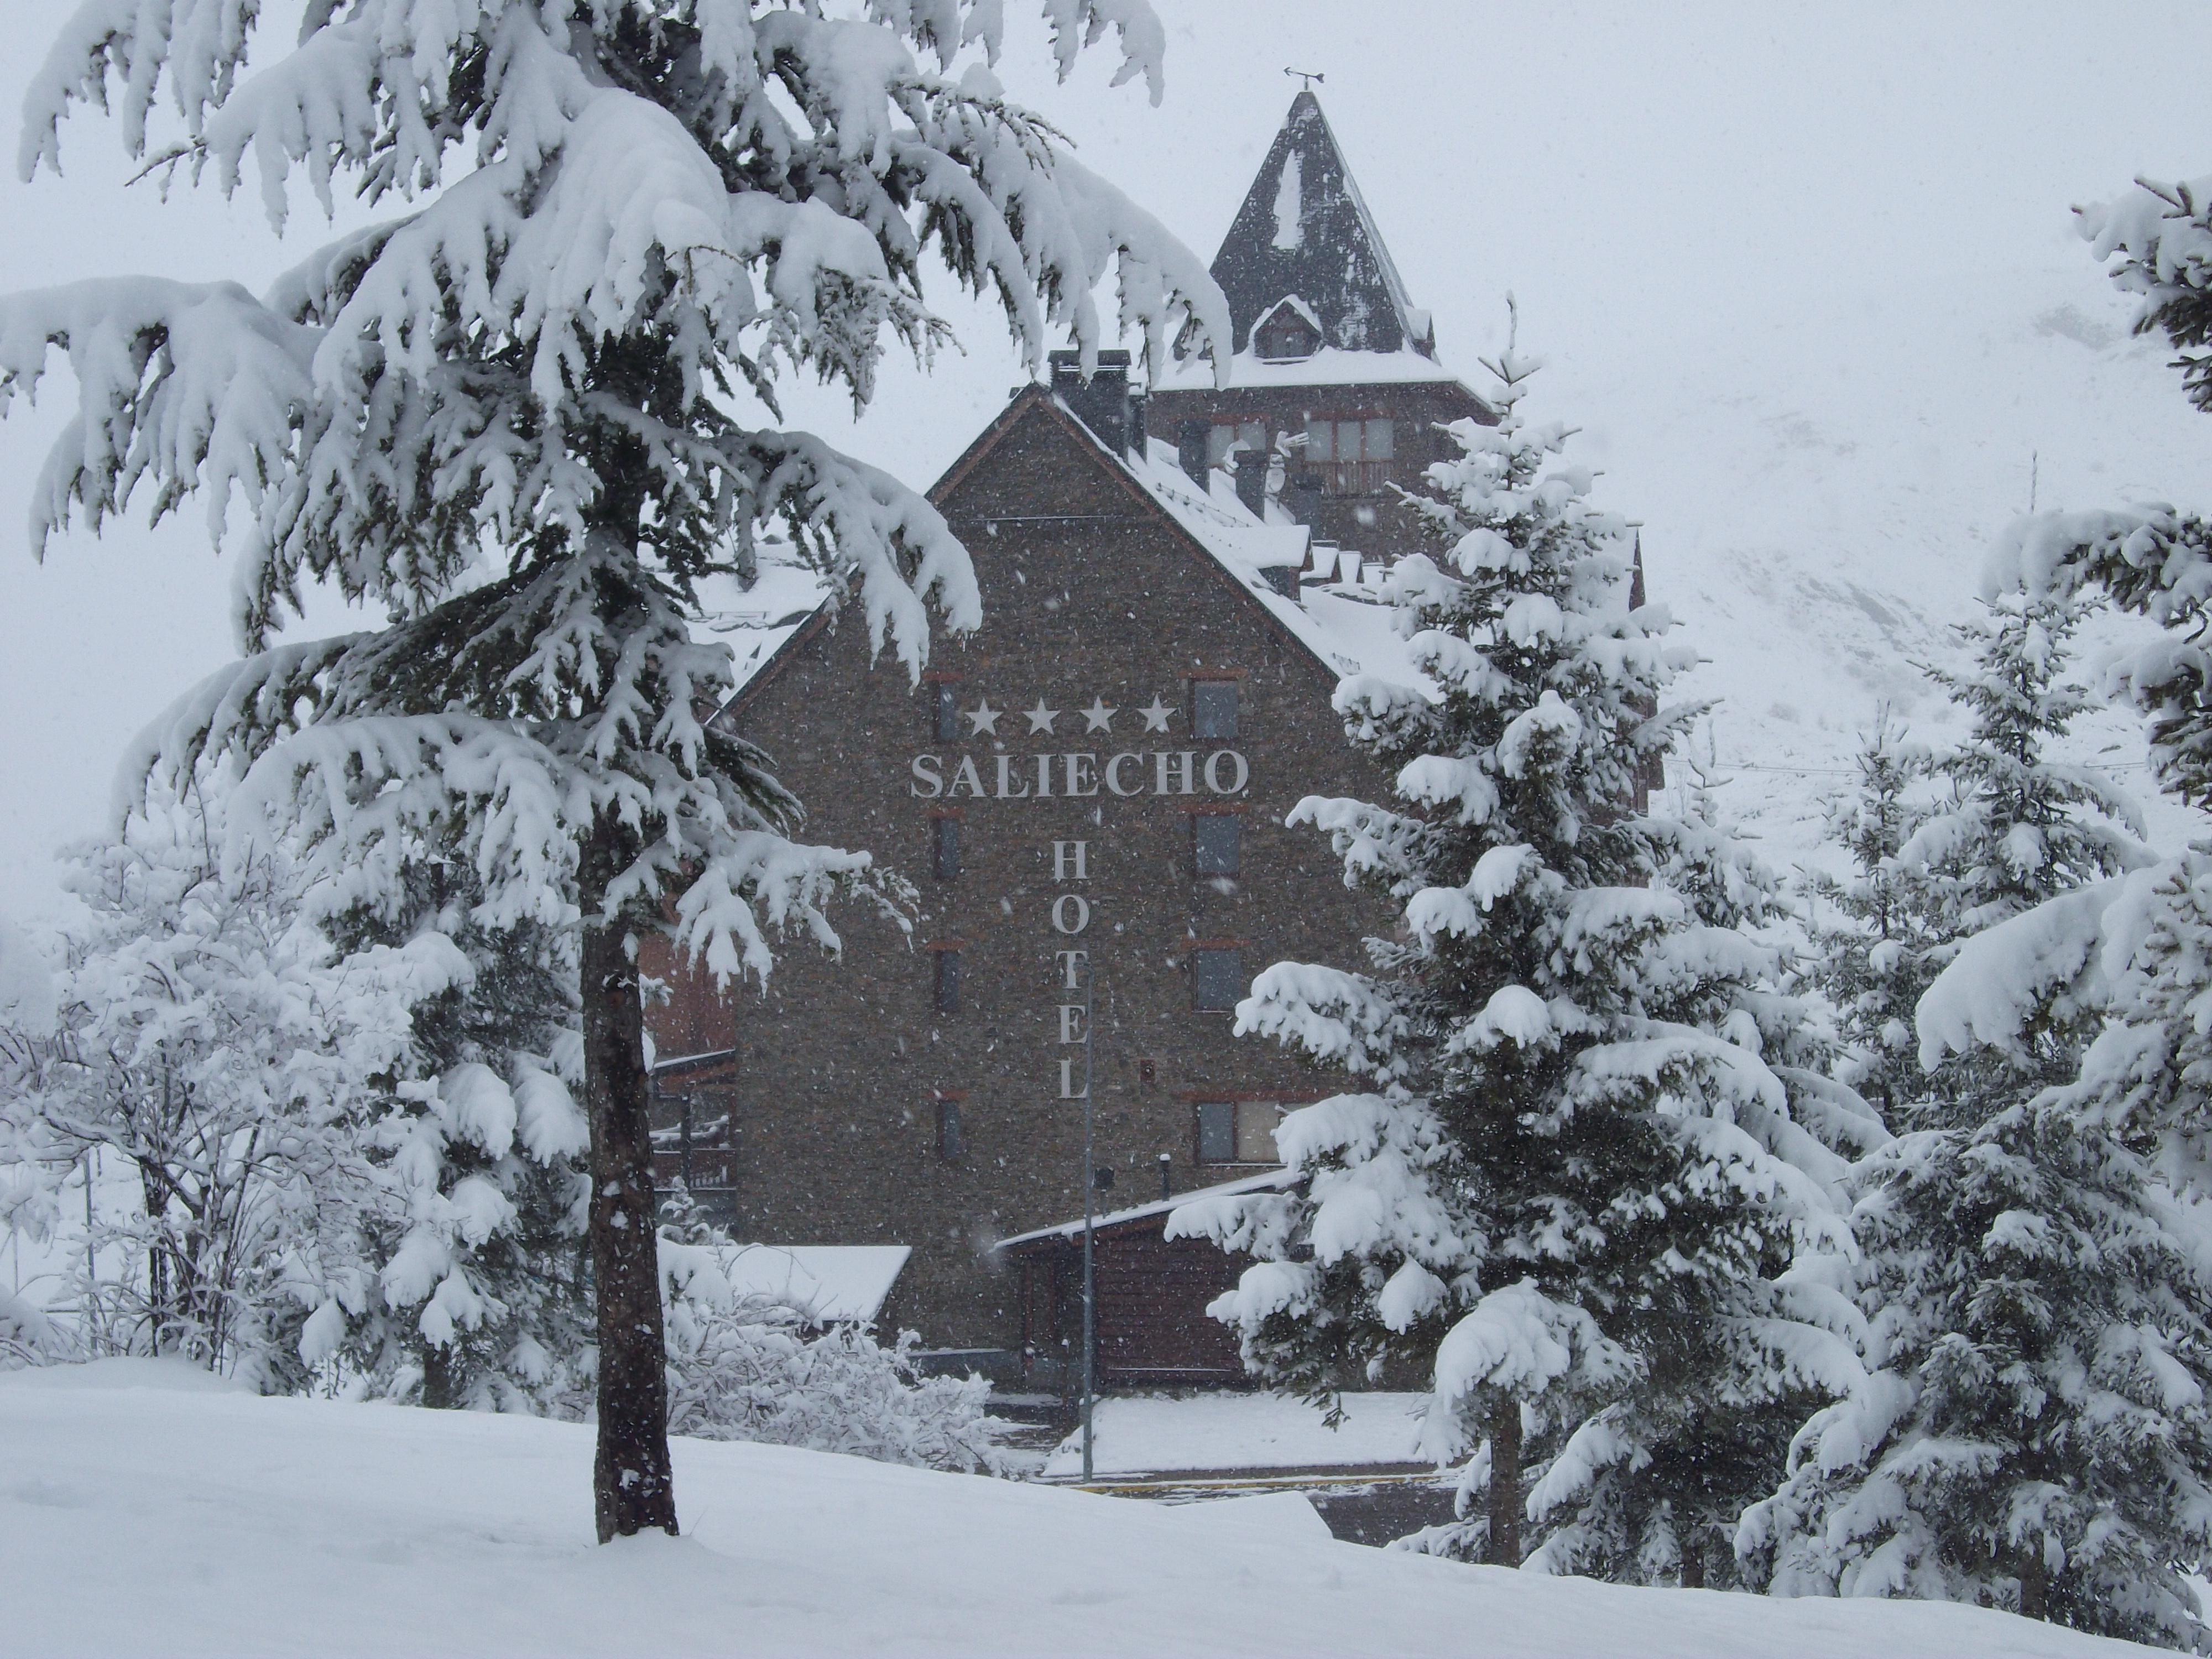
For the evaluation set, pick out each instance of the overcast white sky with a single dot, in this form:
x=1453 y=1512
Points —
x=1804 y=272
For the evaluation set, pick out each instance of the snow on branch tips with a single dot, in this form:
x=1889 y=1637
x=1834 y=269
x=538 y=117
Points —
x=2001 y=978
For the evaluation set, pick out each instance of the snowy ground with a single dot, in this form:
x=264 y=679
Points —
x=147 y=1510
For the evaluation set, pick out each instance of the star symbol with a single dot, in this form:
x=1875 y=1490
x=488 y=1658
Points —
x=1156 y=717
x=982 y=718
x=1099 y=716
x=1040 y=717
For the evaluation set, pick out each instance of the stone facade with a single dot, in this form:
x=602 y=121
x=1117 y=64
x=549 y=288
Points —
x=889 y=1097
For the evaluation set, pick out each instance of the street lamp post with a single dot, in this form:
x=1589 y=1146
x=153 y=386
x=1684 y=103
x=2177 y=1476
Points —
x=1089 y=1220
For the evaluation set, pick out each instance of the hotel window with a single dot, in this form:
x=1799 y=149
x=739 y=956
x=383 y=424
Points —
x=1216 y=843
x=1218 y=979
x=1253 y=434
x=945 y=990
x=944 y=847
x=945 y=700
x=1213 y=709
x=1353 y=457
x=1238 y=1131
x=951 y=1147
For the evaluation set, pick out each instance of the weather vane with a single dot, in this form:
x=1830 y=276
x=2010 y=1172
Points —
x=1308 y=76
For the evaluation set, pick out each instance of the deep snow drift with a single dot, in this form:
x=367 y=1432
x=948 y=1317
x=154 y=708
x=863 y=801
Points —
x=144 y=1508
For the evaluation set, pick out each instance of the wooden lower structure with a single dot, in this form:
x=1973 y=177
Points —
x=1152 y=1329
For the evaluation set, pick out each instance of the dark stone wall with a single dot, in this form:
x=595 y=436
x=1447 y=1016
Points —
x=840 y=1064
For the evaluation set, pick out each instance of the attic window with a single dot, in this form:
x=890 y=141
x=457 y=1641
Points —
x=1288 y=334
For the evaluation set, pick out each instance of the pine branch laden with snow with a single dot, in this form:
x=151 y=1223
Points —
x=530 y=409
x=2156 y=242
x=1597 y=1132
x=2156 y=563
x=2128 y=956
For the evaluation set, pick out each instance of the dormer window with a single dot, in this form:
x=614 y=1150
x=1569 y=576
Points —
x=1288 y=333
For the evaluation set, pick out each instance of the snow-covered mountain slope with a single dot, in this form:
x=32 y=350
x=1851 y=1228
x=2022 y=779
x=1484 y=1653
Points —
x=147 y=1510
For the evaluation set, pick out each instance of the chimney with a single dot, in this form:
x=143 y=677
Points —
x=1105 y=405
x=1191 y=438
x=1252 y=480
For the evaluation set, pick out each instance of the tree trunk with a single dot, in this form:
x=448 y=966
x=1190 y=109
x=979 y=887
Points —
x=1693 y=1565
x=631 y=1486
x=2034 y=1584
x=441 y=1378
x=1505 y=1484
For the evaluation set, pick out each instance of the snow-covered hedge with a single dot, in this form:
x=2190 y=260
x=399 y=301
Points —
x=28 y=1337
x=755 y=1367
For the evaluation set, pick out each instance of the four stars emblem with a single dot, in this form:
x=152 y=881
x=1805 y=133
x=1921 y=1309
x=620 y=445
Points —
x=983 y=720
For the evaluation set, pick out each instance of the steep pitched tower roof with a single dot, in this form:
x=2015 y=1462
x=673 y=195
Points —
x=1303 y=257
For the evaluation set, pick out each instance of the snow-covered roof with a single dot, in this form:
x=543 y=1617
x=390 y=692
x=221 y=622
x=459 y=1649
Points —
x=1266 y=1180
x=832 y=1281
x=1328 y=367
x=1337 y=617
x=1342 y=624
x=757 y=623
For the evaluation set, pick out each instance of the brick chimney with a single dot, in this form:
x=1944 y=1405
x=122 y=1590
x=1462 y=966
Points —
x=1105 y=405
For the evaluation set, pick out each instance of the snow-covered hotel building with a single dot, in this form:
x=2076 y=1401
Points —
x=1094 y=783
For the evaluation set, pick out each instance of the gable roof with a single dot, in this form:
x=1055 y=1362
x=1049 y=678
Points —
x=1304 y=233
x=1153 y=1215
x=1338 y=627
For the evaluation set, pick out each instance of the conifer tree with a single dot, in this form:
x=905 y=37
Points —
x=1575 y=1180
x=2047 y=1448
x=2031 y=1434
x=1873 y=961
x=466 y=1276
x=527 y=413
x=2019 y=828
x=2035 y=1432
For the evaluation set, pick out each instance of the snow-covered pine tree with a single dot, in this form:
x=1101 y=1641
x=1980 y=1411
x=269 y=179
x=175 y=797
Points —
x=528 y=412
x=2048 y=1449
x=1650 y=1488
x=2036 y=1432
x=2020 y=827
x=1875 y=957
x=1576 y=1178
x=469 y=1287
x=2031 y=1434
